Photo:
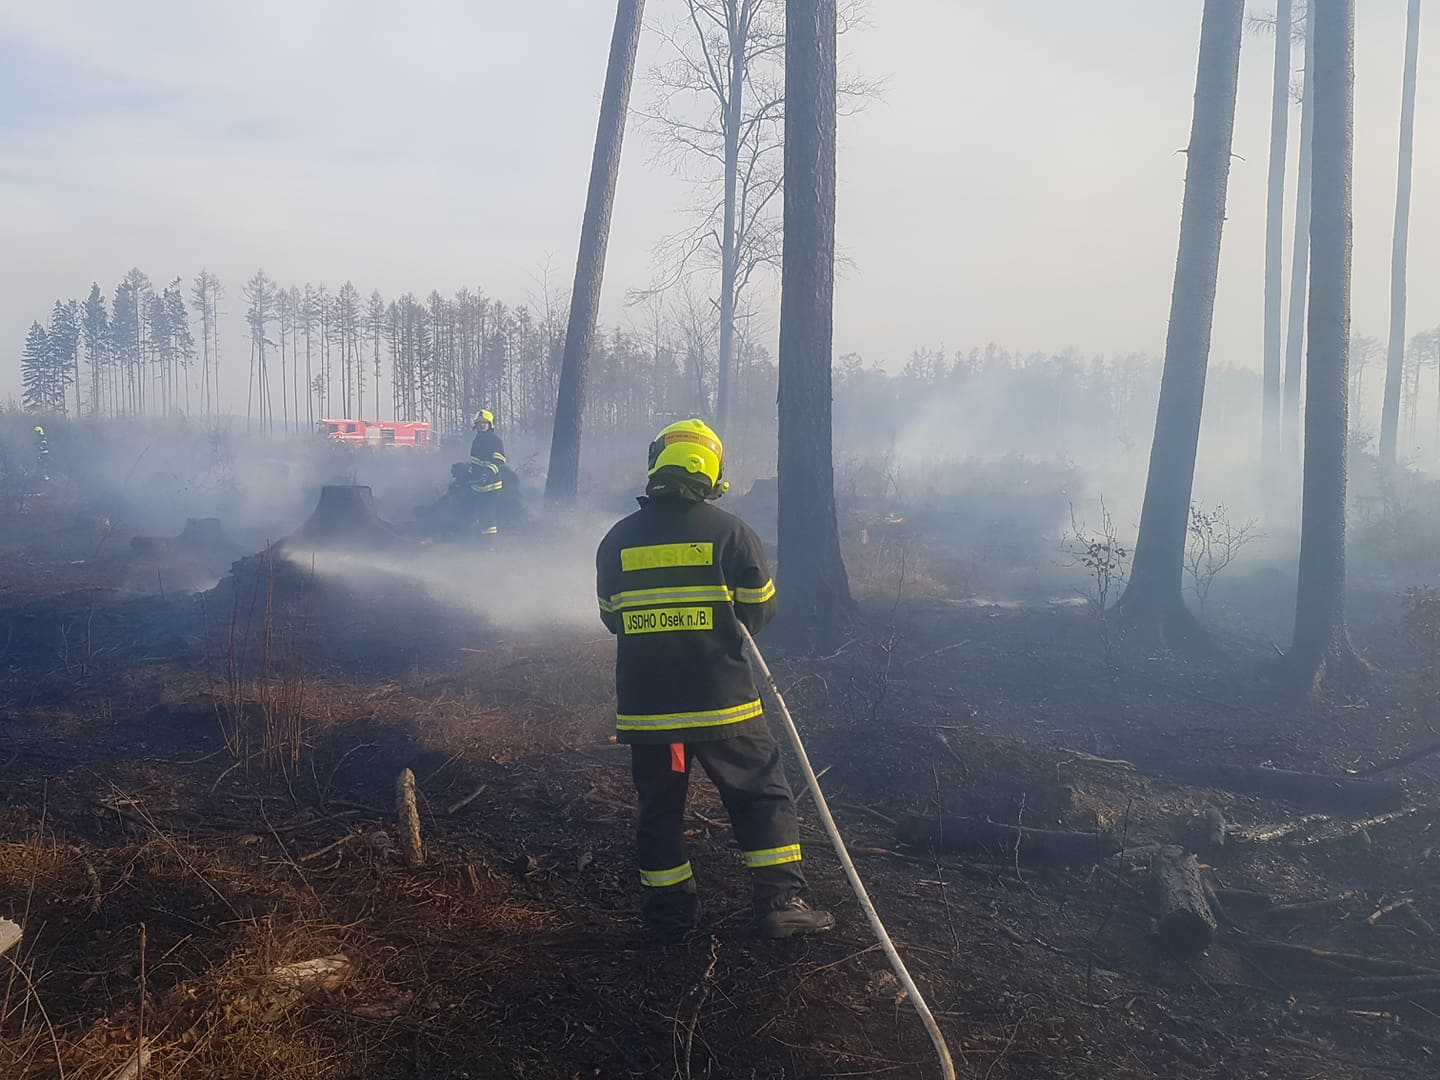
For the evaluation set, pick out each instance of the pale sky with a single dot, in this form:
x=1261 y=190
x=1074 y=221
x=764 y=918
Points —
x=1019 y=181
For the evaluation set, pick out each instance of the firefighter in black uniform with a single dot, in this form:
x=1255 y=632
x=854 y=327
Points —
x=672 y=580
x=487 y=473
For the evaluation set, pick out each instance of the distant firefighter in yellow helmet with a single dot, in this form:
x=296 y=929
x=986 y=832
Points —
x=675 y=580
x=487 y=472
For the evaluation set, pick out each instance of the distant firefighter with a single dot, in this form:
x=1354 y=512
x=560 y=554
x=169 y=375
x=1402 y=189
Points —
x=42 y=454
x=675 y=579
x=487 y=472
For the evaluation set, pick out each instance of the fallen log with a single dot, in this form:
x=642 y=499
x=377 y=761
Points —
x=1378 y=985
x=1244 y=899
x=1006 y=843
x=1186 y=923
x=1357 y=961
x=1311 y=789
x=1283 y=831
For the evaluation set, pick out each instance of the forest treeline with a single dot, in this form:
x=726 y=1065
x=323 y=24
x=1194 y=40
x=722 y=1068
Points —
x=313 y=353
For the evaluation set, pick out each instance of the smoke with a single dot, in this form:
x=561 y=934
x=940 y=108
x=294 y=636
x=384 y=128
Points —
x=527 y=584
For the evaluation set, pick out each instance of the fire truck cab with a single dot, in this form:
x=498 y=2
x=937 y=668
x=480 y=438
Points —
x=411 y=434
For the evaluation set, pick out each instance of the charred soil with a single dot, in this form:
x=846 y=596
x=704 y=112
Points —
x=176 y=829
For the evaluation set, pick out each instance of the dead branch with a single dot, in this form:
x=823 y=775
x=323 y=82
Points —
x=409 y=819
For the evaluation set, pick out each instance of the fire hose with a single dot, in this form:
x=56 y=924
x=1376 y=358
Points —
x=947 y=1066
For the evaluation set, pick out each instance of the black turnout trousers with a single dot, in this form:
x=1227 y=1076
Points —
x=747 y=772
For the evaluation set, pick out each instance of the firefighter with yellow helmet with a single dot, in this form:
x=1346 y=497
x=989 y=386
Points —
x=487 y=472
x=674 y=580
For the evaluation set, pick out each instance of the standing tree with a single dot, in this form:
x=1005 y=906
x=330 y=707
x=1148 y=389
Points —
x=259 y=293
x=182 y=341
x=96 y=321
x=1274 y=240
x=1153 y=601
x=375 y=325
x=205 y=294
x=64 y=341
x=1321 y=646
x=44 y=393
x=1299 y=269
x=817 y=590
x=1395 y=360
x=563 y=482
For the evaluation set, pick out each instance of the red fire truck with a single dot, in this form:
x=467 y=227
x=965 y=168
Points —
x=412 y=434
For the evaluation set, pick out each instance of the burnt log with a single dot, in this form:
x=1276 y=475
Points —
x=1310 y=789
x=1185 y=922
x=1006 y=843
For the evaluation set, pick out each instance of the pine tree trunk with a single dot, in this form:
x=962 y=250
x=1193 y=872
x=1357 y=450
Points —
x=1274 y=243
x=816 y=601
x=1395 y=358
x=563 y=482
x=1152 y=603
x=1321 y=646
x=1299 y=271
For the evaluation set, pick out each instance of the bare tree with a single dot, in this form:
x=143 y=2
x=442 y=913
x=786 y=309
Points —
x=1321 y=645
x=717 y=116
x=1275 y=238
x=1153 y=601
x=1299 y=269
x=817 y=589
x=1395 y=360
x=563 y=482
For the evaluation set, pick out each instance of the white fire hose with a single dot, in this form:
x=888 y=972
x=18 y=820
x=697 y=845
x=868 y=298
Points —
x=947 y=1066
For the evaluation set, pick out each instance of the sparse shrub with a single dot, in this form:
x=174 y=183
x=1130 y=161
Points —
x=1100 y=553
x=1106 y=562
x=1212 y=544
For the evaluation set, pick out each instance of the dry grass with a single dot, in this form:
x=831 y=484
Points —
x=888 y=564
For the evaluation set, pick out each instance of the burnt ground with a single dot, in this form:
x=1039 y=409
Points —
x=165 y=853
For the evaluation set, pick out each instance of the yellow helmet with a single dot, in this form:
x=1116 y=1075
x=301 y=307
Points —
x=693 y=446
x=484 y=416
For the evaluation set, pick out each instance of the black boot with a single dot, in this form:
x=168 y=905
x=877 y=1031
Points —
x=670 y=913
x=792 y=918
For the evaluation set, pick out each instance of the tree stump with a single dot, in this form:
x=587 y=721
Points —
x=409 y=816
x=344 y=516
x=205 y=536
x=1186 y=923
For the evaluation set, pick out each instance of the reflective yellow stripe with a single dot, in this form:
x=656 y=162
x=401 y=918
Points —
x=662 y=556
x=673 y=721
x=659 y=879
x=480 y=489
x=481 y=463
x=493 y=530
x=772 y=856
x=755 y=596
x=678 y=594
x=605 y=605
x=497 y=456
